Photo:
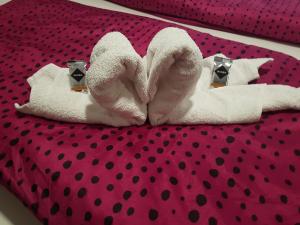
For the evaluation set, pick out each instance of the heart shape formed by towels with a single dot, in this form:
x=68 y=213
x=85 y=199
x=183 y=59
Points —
x=171 y=85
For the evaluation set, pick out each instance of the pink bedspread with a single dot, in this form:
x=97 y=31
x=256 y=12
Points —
x=167 y=175
x=275 y=19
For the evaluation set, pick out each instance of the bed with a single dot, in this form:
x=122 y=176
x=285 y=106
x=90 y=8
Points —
x=275 y=19
x=92 y=174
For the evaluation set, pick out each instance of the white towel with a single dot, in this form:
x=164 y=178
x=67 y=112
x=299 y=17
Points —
x=173 y=68
x=51 y=98
x=117 y=77
x=198 y=104
x=116 y=80
x=242 y=71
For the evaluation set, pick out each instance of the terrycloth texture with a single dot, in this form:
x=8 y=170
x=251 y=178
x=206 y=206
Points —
x=232 y=104
x=51 y=97
x=117 y=78
x=173 y=66
x=73 y=174
x=185 y=97
x=274 y=19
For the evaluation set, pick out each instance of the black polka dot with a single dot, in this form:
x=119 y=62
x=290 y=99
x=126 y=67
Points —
x=25 y=132
x=225 y=151
x=219 y=161
x=69 y=212
x=87 y=216
x=34 y=188
x=45 y=193
x=143 y=192
x=194 y=216
x=236 y=170
x=7 y=125
x=80 y=155
x=165 y=195
x=284 y=199
x=93 y=145
x=108 y=220
x=54 y=208
x=214 y=173
x=182 y=165
x=109 y=165
x=13 y=142
x=95 y=162
x=67 y=191
x=196 y=144
x=55 y=176
x=173 y=180
x=212 y=221
x=95 y=179
x=243 y=205
x=117 y=207
x=130 y=211
x=135 y=179
x=262 y=199
x=127 y=195
x=278 y=218
x=231 y=182
x=67 y=164
x=230 y=139
x=9 y=164
x=201 y=200
x=224 y=194
x=254 y=217
x=97 y=202
x=34 y=207
x=110 y=147
x=247 y=192
x=81 y=193
x=110 y=187
x=153 y=214
x=206 y=184
x=78 y=176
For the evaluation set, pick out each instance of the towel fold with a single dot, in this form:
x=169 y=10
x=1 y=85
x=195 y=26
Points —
x=117 y=77
x=51 y=97
x=173 y=66
x=193 y=102
x=117 y=88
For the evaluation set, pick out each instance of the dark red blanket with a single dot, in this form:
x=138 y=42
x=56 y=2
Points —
x=167 y=175
x=275 y=19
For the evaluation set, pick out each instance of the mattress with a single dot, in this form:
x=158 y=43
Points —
x=92 y=174
x=274 y=19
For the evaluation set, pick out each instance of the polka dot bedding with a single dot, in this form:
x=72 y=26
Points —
x=93 y=174
x=275 y=19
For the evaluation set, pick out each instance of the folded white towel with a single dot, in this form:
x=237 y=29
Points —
x=116 y=81
x=117 y=77
x=242 y=71
x=173 y=66
x=51 y=97
x=197 y=103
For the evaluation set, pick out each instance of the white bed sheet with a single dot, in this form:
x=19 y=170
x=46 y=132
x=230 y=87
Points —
x=12 y=212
